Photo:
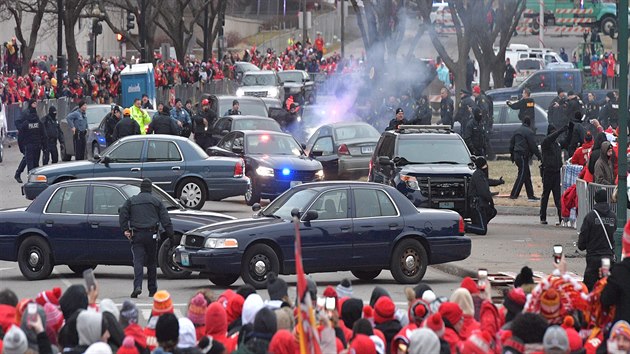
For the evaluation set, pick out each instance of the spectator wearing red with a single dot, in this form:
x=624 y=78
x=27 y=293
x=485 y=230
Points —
x=462 y=298
x=453 y=321
x=384 y=311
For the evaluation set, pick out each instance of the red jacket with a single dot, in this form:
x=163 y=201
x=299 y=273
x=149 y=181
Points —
x=569 y=200
x=580 y=157
x=470 y=325
x=452 y=338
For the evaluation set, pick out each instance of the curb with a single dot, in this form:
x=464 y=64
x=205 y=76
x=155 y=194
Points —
x=455 y=270
x=521 y=210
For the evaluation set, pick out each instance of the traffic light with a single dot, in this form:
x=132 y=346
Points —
x=97 y=28
x=120 y=37
x=130 y=19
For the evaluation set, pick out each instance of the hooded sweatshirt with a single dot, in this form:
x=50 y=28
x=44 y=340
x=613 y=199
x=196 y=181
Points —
x=463 y=298
x=216 y=325
x=89 y=327
x=604 y=173
x=599 y=139
x=423 y=341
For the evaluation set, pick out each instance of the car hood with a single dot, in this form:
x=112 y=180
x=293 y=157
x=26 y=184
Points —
x=74 y=167
x=437 y=169
x=257 y=88
x=291 y=162
x=245 y=226
x=201 y=217
x=293 y=84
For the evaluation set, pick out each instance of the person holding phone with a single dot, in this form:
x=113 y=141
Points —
x=596 y=237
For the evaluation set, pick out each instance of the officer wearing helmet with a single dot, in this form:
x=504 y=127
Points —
x=126 y=126
x=203 y=122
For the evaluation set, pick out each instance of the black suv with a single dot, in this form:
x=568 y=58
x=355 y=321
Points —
x=430 y=165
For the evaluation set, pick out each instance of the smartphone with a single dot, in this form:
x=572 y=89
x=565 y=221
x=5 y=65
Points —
x=331 y=305
x=557 y=253
x=605 y=267
x=88 y=276
x=482 y=278
x=321 y=302
x=31 y=312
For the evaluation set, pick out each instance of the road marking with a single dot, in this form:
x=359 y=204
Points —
x=9 y=268
x=63 y=279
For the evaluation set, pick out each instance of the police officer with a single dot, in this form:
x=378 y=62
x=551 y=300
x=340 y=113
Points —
x=486 y=105
x=139 y=219
x=446 y=108
x=526 y=108
x=77 y=122
x=508 y=78
x=162 y=123
x=111 y=119
x=235 y=110
x=522 y=147
x=591 y=111
x=481 y=202
x=34 y=135
x=126 y=126
x=557 y=109
x=608 y=115
x=54 y=134
x=22 y=165
x=475 y=134
x=182 y=118
x=465 y=109
x=203 y=122
x=398 y=120
x=423 y=112
x=550 y=168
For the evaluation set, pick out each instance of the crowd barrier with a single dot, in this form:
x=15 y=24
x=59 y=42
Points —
x=586 y=194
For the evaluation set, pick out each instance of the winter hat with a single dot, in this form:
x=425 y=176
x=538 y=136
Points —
x=146 y=186
x=15 y=341
x=368 y=313
x=526 y=276
x=54 y=318
x=601 y=196
x=468 y=283
x=234 y=307
x=462 y=297
x=550 y=304
x=49 y=296
x=626 y=240
x=480 y=162
x=399 y=110
x=245 y=290
x=362 y=344
x=197 y=309
x=420 y=289
x=620 y=329
x=514 y=300
x=451 y=312
x=251 y=306
x=351 y=311
x=330 y=292
x=555 y=338
x=377 y=292
x=128 y=313
x=276 y=287
x=128 y=346
x=74 y=298
x=436 y=324
x=283 y=342
x=477 y=343
x=476 y=89
x=107 y=305
x=99 y=348
x=575 y=341
x=423 y=341
x=187 y=334
x=162 y=302
x=344 y=289
x=418 y=311
x=266 y=322
x=167 y=328
x=429 y=297
x=312 y=287
x=384 y=310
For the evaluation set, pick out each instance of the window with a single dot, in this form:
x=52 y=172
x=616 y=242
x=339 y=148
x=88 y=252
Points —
x=238 y=142
x=324 y=145
x=565 y=80
x=512 y=116
x=69 y=200
x=332 y=205
x=540 y=82
x=356 y=132
x=226 y=143
x=372 y=202
x=127 y=152
x=106 y=201
x=224 y=124
x=387 y=146
x=160 y=151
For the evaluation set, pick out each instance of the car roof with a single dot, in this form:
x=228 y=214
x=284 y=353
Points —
x=345 y=124
x=156 y=137
x=241 y=98
x=291 y=71
x=109 y=180
x=325 y=184
x=261 y=72
x=240 y=116
x=258 y=132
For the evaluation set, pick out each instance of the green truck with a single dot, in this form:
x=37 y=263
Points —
x=600 y=14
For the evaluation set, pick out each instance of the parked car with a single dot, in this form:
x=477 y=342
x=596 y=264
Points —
x=297 y=83
x=241 y=67
x=356 y=226
x=264 y=83
x=96 y=139
x=227 y=124
x=176 y=164
x=525 y=67
x=274 y=162
x=95 y=114
x=76 y=223
x=344 y=149
x=313 y=116
x=249 y=106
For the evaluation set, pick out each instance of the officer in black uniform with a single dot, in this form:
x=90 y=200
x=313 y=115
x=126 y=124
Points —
x=111 y=119
x=481 y=202
x=526 y=108
x=203 y=122
x=162 y=123
x=398 y=120
x=20 y=140
x=54 y=133
x=465 y=109
x=522 y=147
x=475 y=134
x=34 y=135
x=447 y=107
x=423 y=112
x=126 y=126
x=591 y=107
x=608 y=115
x=551 y=166
x=557 y=111
x=139 y=218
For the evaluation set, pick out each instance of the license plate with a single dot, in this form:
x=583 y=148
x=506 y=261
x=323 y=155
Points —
x=367 y=149
x=447 y=205
x=185 y=260
x=295 y=183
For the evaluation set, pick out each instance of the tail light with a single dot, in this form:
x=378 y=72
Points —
x=343 y=150
x=239 y=168
x=462 y=226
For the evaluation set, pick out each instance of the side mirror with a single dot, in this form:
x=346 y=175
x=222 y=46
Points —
x=97 y=157
x=105 y=160
x=256 y=207
x=384 y=160
x=310 y=215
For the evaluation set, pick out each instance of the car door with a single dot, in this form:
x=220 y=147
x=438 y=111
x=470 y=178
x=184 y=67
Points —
x=324 y=151
x=376 y=223
x=509 y=124
x=222 y=126
x=495 y=133
x=125 y=160
x=109 y=244
x=382 y=173
x=65 y=221
x=327 y=241
x=164 y=164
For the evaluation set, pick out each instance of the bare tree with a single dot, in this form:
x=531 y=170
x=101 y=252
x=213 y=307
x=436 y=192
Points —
x=172 y=20
x=216 y=10
x=17 y=11
x=73 y=11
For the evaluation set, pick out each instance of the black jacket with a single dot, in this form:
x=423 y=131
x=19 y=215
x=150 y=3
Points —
x=592 y=237
x=592 y=110
x=557 y=115
x=617 y=290
x=389 y=329
x=524 y=142
x=552 y=151
x=464 y=112
x=53 y=130
x=609 y=113
x=574 y=105
x=31 y=129
x=509 y=75
x=423 y=114
x=110 y=124
x=446 y=110
x=480 y=187
x=163 y=124
x=526 y=109
x=144 y=211
x=126 y=127
x=393 y=124
x=475 y=138
x=197 y=119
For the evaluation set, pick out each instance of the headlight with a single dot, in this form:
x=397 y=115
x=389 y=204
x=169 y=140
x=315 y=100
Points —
x=273 y=92
x=240 y=92
x=37 y=178
x=221 y=243
x=265 y=171
x=410 y=181
x=299 y=119
x=319 y=175
x=182 y=242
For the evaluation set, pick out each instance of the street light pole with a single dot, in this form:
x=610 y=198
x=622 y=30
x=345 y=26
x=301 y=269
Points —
x=343 y=27
x=143 y=49
x=205 y=34
x=622 y=201
x=60 y=62
x=304 y=29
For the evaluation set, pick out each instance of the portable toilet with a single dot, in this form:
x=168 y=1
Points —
x=137 y=79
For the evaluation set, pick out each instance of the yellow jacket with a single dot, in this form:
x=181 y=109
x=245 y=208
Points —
x=140 y=116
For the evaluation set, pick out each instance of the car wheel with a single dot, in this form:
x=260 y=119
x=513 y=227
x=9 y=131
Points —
x=78 y=269
x=166 y=260
x=195 y=192
x=607 y=24
x=35 y=258
x=409 y=262
x=64 y=156
x=258 y=261
x=1 y=151
x=223 y=279
x=366 y=275
x=95 y=149
x=252 y=196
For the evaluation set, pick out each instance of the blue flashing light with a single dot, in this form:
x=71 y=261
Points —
x=101 y=139
x=286 y=172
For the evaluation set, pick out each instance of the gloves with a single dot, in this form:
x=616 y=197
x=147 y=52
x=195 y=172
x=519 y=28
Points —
x=501 y=181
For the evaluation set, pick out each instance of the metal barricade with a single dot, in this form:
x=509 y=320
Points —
x=586 y=194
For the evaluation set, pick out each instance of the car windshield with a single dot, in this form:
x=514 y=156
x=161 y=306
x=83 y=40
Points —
x=282 y=206
x=95 y=114
x=256 y=124
x=268 y=144
x=451 y=151
x=529 y=64
x=359 y=131
x=247 y=107
x=171 y=204
x=290 y=76
x=248 y=66
x=260 y=80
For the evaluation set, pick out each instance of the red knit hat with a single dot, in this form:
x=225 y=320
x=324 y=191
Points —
x=384 y=310
x=550 y=304
x=477 y=343
x=197 y=309
x=451 y=311
x=162 y=303
x=362 y=344
x=418 y=311
x=330 y=292
x=436 y=324
x=128 y=346
x=469 y=284
x=368 y=313
x=49 y=296
x=54 y=318
x=575 y=341
x=626 y=240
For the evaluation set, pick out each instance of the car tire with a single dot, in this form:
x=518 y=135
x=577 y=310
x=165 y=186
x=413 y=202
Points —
x=258 y=262
x=252 y=196
x=35 y=258
x=223 y=279
x=78 y=269
x=167 y=263
x=607 y=23
x=195 y=190
x=64 y=156
x=409 y=262
x=366 y=275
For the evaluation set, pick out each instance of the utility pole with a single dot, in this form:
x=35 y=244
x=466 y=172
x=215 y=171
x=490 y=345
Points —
x=61 y=65
x=622 y=201
x=343 y=28
x=143 y=49
x=205 y=34
x=304 y=29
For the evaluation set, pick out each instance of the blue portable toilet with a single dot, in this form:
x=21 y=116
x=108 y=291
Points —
x=135 y=80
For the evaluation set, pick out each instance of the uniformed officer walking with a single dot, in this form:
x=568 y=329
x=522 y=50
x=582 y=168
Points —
x=126 y=126
x=22 y=165
x=111 y=119
x=465 y=109
x=54 y=133
x=475 y=134
x=525 y=108
x=162 y=123
x=446 y=108
x=203 y=122
x=522 y=147
x=139 y=219
x=77 y=122
x=34 y=135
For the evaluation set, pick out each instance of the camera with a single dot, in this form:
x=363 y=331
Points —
x=482 y=278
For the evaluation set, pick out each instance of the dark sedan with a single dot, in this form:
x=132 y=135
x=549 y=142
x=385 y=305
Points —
x=76 y=223
x=274 y=162
x=227 y=124
x=176 y=164
x=253 y=106
x=357 y=226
